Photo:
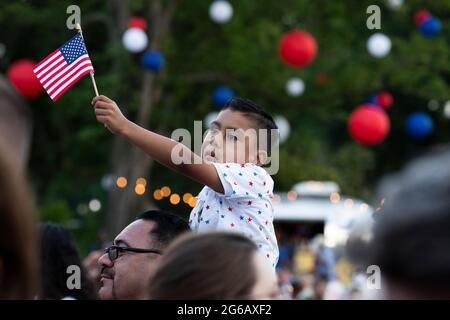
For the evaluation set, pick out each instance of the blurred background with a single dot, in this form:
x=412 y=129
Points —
x=353 y=104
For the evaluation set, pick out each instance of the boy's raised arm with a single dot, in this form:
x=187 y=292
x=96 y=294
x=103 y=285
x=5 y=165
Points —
x=156 y=146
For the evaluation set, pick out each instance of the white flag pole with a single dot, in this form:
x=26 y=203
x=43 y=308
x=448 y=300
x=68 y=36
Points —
x=78 y=27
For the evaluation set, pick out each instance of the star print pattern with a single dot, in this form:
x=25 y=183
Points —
x=245 y=207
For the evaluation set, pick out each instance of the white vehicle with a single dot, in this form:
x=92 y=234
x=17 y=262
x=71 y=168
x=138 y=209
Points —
x=314 y=207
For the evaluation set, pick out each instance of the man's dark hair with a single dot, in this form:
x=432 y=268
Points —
x=168 y=225
x=261 y=118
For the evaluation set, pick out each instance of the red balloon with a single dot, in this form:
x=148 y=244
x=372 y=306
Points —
x=137 y=22
x=421 y=16
x=21 y=76
x=368 y=125
x=297 y=48
x=384 y=99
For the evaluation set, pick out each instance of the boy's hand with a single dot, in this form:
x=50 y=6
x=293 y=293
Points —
x=108 y=113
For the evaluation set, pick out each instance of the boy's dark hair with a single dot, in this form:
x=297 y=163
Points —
x=168 y=225
x=262 y=118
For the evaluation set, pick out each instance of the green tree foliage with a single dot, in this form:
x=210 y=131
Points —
x=71 y=152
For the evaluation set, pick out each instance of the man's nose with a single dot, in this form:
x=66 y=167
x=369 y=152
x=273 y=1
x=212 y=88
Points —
x=104 y=261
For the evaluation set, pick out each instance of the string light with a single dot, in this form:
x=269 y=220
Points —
x=187 y=197
x=174 y=199
x=141 y=181
x=192 y=202
x=139 y=189
x=165 y=191
x=95 y=205
x=157 y=194
x=121 y=182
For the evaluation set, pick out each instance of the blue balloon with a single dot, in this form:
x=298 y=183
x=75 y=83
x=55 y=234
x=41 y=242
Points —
x=152 y=60
x=431 y=27
x=221 y=95
x=372 y=99
x=419 y=125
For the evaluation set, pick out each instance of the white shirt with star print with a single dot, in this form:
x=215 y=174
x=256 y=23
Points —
x=245 y=207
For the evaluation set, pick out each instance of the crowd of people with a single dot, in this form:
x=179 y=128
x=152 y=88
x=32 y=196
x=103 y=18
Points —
x=157 y=257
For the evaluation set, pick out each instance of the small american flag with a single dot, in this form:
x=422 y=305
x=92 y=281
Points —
x=64 y=67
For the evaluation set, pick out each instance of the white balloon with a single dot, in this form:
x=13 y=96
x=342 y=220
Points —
x=94 y=205
x=394 y=4
x=379 y=45
x=210 y=117
x=220 y=11
x=135 y=40
x=284 y=127
x=447 y=110
x=295 y=87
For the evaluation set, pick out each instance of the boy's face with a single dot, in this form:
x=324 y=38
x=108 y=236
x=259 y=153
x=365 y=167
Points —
x=232 y=137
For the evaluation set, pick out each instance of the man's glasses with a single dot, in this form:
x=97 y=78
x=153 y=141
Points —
x=114 y=251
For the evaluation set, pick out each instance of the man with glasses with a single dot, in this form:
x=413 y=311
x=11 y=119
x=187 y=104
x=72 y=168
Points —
x=129 y=264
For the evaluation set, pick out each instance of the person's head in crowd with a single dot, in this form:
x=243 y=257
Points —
x=411 y=235
x=62 y=273
x=214 y=266
x=296 y=289
x=18 y=246
x=320 y=285
x=129 y=264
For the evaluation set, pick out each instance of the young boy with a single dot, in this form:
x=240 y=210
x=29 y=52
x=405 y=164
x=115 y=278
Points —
x=238 y=193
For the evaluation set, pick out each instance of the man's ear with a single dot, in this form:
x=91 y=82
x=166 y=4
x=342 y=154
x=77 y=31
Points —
x=261 y=157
